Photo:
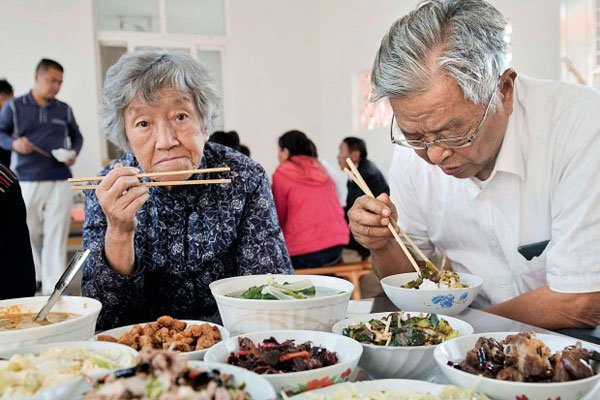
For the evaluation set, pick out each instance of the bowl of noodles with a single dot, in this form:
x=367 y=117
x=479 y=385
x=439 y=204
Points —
x=448 y=294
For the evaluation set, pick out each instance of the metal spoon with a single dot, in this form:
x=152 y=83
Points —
x=66 y=278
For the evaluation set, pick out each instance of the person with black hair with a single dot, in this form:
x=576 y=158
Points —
x=6 y=93
x=17 y=269
x=356 y=149
x=230 y=139
x=33 y=126
x=310 y=214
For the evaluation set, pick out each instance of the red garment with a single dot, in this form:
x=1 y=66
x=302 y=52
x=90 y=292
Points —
x=310 y=214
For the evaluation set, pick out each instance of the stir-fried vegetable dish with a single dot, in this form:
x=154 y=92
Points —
x=402 y=329
x=272 y=357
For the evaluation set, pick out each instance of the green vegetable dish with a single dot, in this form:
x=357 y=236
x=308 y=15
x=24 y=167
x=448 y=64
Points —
x=303 y=289
x=402 y=329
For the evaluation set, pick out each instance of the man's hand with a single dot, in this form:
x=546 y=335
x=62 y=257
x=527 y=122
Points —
x=70 y=162
x=369 y=219
x=22 y=145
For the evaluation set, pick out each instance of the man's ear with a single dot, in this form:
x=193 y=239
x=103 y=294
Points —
x=507 y=89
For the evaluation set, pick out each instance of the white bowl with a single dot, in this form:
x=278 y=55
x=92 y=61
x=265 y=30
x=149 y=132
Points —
x=456 y=350
x=442 y=301
x=366 y=387
x=247 y=315
x=256 y=385
x=190 y=355
x=411 y=362
x=68 y=390
x=81 y=327
x=348 y=352
x=63 y=155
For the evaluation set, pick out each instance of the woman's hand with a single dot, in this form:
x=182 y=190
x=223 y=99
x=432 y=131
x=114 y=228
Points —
x=121 y=196
x=369 y=219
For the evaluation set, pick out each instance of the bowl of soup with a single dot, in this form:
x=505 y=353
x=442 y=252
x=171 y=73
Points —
x=71 y=318
x=255 y=303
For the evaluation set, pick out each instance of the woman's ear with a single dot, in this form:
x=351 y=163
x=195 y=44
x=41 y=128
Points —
x=355 y=156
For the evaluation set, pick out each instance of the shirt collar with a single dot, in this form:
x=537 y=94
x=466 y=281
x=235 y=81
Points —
x=510 y=157
x=30 y=100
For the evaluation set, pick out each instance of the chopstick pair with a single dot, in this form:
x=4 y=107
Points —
x=157 y=174
x=360 y=182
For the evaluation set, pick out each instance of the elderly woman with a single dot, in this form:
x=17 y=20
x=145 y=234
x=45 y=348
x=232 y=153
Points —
x=155 y=250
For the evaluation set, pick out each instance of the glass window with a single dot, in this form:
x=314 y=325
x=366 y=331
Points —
x=204 y=17
x=130 y=15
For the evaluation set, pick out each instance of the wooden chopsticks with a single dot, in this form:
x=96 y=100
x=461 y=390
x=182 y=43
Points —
x=360 y=182
x=157 y=174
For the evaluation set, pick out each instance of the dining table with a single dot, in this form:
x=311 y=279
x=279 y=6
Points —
x=481 y=322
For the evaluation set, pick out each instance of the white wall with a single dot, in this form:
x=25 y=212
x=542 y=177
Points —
x=61 y=30
x=273 y=64
x=289 y=63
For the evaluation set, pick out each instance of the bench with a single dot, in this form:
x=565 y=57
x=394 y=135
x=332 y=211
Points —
x=350 y=271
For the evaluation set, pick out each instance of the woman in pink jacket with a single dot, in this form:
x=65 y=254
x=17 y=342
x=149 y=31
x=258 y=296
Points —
x=310 y=214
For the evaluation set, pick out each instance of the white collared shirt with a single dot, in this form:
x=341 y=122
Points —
x=545 y=186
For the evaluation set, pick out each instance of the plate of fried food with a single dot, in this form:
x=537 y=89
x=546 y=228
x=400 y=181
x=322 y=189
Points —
x=190 y=338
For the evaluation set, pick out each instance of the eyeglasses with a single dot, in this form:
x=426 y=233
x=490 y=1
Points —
x=450 y=143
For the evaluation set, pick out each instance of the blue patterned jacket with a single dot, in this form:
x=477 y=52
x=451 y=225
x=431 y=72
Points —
x=185 y=239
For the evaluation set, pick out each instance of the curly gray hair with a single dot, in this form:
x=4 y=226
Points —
x=463 y=38
x=143 y=74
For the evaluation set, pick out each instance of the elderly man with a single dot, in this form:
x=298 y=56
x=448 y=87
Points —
x=155 y=250
x=488 y=163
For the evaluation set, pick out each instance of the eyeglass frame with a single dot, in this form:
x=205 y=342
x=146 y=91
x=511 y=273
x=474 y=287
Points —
x=440 y=142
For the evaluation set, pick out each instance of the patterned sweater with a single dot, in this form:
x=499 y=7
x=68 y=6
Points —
x=184 y=240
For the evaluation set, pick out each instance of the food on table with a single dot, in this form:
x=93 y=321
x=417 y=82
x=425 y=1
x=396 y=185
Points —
x=525 y=358
x=162 y=376
x=402 y=329
x=168 y=333
x=27 y=374
x=25 y=320
x=447 y=393
x=272 y=357
x=431 y=278
x=275 y=291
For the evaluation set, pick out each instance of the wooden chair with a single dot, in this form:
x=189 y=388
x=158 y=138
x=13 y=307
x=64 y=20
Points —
x=350 y=271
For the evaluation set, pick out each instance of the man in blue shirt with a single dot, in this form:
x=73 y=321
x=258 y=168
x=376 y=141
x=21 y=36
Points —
x=33 y=126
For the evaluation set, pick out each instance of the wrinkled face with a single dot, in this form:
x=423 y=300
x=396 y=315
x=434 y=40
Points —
x=48 y=83
x=167 y=135
x=443 y=112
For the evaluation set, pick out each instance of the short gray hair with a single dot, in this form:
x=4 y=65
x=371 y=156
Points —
x=143 y=74
x=463 y=38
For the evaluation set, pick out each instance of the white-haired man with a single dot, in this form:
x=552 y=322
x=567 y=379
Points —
x=488 y=163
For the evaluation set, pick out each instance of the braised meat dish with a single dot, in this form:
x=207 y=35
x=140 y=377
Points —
x=525 y=358
x=272 y=357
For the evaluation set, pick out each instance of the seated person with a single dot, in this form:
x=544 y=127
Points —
x=155 y=250
x=310 y=214
x=488 y=162
x=17 y=269
x=356 y=150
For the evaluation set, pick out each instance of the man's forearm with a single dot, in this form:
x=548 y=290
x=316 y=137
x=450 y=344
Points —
x=552 y=310
x=119 y=251
x=390 y=260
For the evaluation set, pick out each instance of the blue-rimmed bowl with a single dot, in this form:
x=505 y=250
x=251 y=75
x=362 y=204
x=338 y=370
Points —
x=434 y=301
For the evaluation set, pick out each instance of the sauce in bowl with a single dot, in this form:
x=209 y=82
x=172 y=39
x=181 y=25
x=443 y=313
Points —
x=11 y=322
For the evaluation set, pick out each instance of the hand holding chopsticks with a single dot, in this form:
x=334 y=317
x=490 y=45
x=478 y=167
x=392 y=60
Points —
x=360 y=182
x=158 y=174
